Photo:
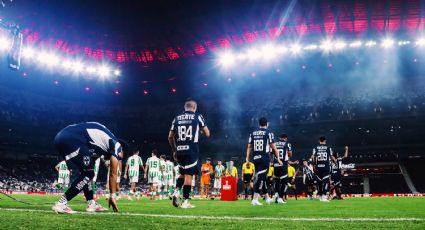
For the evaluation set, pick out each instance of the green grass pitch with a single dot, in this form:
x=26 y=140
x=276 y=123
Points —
x=351 y=213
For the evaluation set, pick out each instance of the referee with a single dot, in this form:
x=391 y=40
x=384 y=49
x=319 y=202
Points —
x=248 y=171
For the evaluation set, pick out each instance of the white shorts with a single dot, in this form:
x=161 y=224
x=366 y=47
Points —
x=134 y=179
x=170 y=182
x=217 y=183
x=153 y=180
x=64 y=181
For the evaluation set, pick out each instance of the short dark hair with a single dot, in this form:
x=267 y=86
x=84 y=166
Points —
x=283 y=136
x=162 y=156
x=155 y=152
x=262 y=121
x=322 y=139
x=135 y=150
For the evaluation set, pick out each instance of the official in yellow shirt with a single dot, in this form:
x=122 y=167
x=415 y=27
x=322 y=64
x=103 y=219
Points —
x=291 y=180
x=248 y=171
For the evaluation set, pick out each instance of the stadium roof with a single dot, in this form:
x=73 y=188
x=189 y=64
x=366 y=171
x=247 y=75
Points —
x=164 y=31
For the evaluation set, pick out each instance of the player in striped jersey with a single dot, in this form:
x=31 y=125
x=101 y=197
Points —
x=152 y=171
x=218 y=174
x=63 y=175
x=168 y=178
x=162 y=176
x=132 y=171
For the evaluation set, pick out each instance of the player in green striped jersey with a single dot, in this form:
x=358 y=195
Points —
x=63 y=175
x=132 y=172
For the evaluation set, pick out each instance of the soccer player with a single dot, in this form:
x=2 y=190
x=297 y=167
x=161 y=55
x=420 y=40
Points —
x=132 y=170
x=336 y=174
x=96 y=173
x=259 y=144
x=117 y=194
x=183 y=138
x=309 y=179
x=281 y=171
x=63 y=175
x=206 y=169
x=270 y=180
x=291 y=181
x=248 y=170
x=152 y=171
x=218 y=174
x=82 y=144
x=169 y=180
x=322 y=155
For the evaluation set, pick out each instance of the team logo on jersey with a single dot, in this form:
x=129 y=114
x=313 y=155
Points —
x=86 y=160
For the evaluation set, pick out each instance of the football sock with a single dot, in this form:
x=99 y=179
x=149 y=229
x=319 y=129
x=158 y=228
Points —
x=186 y=191
x=88 y=193
x=82 y=181
x=179 y=183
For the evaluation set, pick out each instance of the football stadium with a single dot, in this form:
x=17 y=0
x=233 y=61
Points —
x=243 y=114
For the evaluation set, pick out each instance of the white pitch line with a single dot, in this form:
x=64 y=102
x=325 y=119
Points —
x=351 y=219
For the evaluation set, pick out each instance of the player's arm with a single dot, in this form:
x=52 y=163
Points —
x=276 y=152
x=172 y=142
x=126 y=170
x=57 y=168
x=113 y=175
x=206 y=131
x=248 y=152
x=146 y=170
x=345 y=153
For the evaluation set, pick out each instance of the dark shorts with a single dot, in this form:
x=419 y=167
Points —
x=247 y=178
x=323 y=173
x=262 y=167
x=336 y=178
x=281 y=172
x=188 y=163
x=75 y=149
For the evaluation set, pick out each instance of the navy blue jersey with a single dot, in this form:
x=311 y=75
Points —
x=187 y=127
x=283 y=148
x=260 y=140
x=322 y=154
x=336 y=166
x=95 y=136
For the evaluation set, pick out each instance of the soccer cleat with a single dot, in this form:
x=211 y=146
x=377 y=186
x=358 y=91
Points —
x=175 y=201
x=256 y=203
x=62 y=209
x=186 y=204
x=95 y=207
x=268 y=201
x=281 y=201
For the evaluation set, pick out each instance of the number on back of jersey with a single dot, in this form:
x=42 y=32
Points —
x=258 y=145
x=184 y=133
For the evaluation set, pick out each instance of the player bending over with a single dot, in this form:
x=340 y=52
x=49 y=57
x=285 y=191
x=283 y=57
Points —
x=259 y=145
x=82 y=144
x=132 y=170
x=152 y=171
x=183 y=138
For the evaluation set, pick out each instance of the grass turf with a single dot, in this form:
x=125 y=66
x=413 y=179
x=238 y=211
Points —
x=384 y=207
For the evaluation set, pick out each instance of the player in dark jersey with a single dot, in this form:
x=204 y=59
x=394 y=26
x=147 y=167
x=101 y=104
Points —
x=183 y=139
x=260 y=144
x=81 y=144
x=322 y=156
x=281 y=171
x=336 y=174
x=309 y=179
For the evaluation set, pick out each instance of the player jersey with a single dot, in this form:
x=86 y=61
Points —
x=134 y=162
x=308 y=173
x=206 y=170
x=169 y=170
x=98 y=138
x=176 y=171
x=219 y=171
x=162 y=166
x=186 y=126
x=260 y=141
x=283 y=149
x=63 y=169
x=291 y=171
x=270 y=172
x=336 y=166
x=154 y=166
x=249 y=170
x=322 y=153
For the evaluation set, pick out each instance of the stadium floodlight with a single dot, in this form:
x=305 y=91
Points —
x=253 y=54
x=326 y=46
x=4 y=44
x=387 y=43
x=295 y=48
x=28 y=52
x=227 y=59
x=67 y=64
x=48 y=59
x=281 y=49
x=356 y=44
x=403 y=42
x=241 y=57
x=117 y=72
x=420 y=42
x=340 y=45
x=268 y=51
x=104 y=71
x=370 y=43
x=311 y=47
x=91 y=69
x=77 y=66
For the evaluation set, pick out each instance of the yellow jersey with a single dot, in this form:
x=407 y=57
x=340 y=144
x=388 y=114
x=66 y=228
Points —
x=249 y=170
x=291 y=171
x=271 y=171
x=234 y=172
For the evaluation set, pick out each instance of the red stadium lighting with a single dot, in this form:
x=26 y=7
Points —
x=145 y=92
x=173 y=90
